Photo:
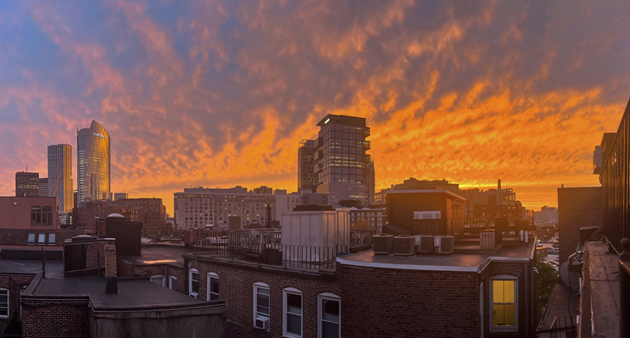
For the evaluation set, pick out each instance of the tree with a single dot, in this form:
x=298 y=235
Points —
x=545 y=280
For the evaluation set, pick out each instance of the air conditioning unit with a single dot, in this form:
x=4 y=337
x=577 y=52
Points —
x=447 y=245
x=194 y=295
x=425 y=244
x=383 y=244
x=404 y=245
x=261 y=323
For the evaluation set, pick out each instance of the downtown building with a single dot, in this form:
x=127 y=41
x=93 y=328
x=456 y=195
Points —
x=337 y=163
x=234 y=208
x=26 y=184
x=93 y=164
x=60 y=176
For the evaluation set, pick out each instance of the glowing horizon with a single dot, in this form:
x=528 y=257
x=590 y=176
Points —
x=220 y=93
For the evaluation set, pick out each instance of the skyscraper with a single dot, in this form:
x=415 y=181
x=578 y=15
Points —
x=340 y=160
x=307 y=176
x=26 y=184
x=93 y=163
x=60 y=175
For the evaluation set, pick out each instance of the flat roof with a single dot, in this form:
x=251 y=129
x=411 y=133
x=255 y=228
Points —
x=54 y=268
x=457 y=262
x=424 y=191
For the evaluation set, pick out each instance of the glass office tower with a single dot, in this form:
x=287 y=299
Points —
x=60 y=175
x=341 y=162
x=93 y=164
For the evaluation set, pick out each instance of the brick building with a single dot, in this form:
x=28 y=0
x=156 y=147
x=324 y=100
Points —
x=88 y=214
x=577 y=208
x=151 y=213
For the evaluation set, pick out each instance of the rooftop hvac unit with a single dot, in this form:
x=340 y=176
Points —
x=404 y=245
x=486 y=239
x=447 y=245
x=261 y=323
x=425 y=244
x=383 y=244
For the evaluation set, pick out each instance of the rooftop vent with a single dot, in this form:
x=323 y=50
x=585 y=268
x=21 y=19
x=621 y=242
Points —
x=115 y=215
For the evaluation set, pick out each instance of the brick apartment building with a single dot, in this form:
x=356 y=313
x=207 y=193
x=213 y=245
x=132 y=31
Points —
x=577 y=208
x=290 y=284
x=151 y=213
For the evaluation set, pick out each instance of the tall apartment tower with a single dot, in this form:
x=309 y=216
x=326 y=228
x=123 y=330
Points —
x=60 y=175
x=307 y=176
x=26 y=184
x=93 y=164
x=340 y=159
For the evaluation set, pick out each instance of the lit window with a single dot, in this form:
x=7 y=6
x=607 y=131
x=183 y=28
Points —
x=193 y=284
x=262 y=304
x=504 y=303
x=329 y=316
x=292 y=312
x=212 y=286
x=4 y=303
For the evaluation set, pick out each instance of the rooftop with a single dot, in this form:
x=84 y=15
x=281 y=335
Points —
x=458 y=262
x=159 y=254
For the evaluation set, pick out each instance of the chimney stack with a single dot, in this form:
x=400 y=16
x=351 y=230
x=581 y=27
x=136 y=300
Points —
x=111 y=285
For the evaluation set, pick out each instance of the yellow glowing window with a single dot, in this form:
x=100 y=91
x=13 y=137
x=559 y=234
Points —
x=503 y=303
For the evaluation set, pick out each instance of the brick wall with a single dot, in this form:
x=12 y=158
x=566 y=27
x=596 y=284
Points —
x=14 y=283
x=236 y=287
x=67 y=318
x=403 y=303
x=577 y=207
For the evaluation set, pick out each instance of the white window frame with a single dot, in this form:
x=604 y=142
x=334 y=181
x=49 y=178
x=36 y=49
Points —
x=161 y=277
x=191 y=293
x=171 y=282
x=209 y=277
x=257 y=286
x=320 y=309
x=8 y=301
x=491 y=304
x=285 y=293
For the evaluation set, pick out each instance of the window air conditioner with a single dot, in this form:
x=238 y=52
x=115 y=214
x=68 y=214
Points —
x=261 y=323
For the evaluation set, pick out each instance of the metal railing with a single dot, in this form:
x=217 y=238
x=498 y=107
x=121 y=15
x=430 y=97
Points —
x=361 y=239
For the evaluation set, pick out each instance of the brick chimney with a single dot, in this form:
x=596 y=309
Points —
x=111 y=286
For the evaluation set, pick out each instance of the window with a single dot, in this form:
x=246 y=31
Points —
x=4 y=303
x=292 y=312
x=262 y=301
x=172 y=282
x=504 y=303
x=193 y=284
x=212 y=287
x=157 y=279
x=41 y=239
x=36 y=215
x=47 y=215
x=31 y=238
x=51 y=239
x=328 y=315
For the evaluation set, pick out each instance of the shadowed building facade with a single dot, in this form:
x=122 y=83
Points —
x=26 y=184
x=93 y=163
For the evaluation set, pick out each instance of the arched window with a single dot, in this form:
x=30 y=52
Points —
x=193 y=283
x=158 y=279
x=47 y=215
x=328 y=315
x=212 y=286
x=36 y=215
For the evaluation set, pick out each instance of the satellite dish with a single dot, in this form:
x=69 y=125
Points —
x=570 y=279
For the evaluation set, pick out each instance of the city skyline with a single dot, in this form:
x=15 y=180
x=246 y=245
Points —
x=192 y=98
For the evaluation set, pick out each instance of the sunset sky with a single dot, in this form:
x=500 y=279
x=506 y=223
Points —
x=219 y=93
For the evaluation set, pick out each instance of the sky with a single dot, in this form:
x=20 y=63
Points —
x=220 y=93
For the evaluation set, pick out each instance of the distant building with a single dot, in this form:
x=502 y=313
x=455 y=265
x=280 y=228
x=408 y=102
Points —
x=198 y=207
x=43 y=187
x=93 y=164
x=88 y=215
x=120 y=195
x=60 y=175
x=307 y=174
x=26 y=184
x=151 y=213
x=374 y=217
x=263 y=190
x=28 y=213
x=412 y=183
x=546 y=216
x=340 y=160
